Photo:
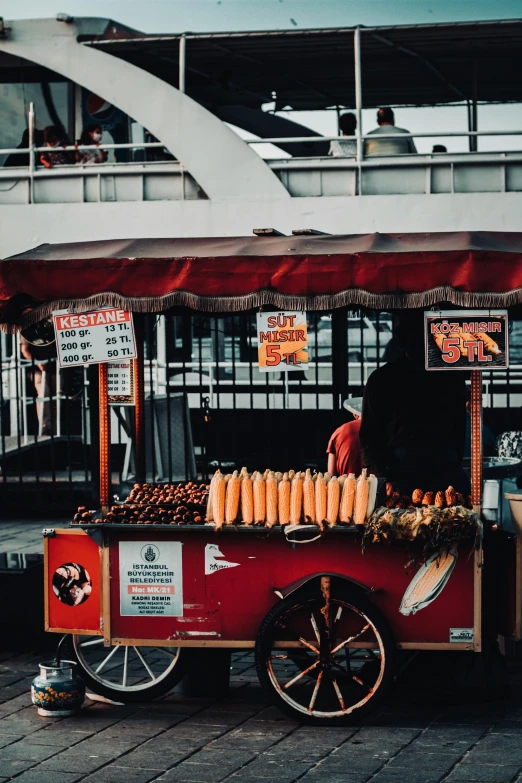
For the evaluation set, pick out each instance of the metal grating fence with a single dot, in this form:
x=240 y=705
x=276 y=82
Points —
x=237 y=415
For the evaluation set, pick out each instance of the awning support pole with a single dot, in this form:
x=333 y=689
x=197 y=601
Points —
x=476 y=500
x=182 y=58
x=105 y=437
x=139 y=414
x=476 y=439
x=358 y=98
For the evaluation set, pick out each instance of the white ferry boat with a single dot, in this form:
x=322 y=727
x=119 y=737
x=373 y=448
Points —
x=169 y=106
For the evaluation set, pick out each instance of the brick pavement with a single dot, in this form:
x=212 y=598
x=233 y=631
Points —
x=241 y=739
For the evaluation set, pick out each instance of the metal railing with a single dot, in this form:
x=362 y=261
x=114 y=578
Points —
x=48 y=434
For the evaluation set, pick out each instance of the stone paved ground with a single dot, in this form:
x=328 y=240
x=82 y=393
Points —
x=241 y=739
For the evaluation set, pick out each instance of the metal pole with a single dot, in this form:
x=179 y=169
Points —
x=358 y=92
x=476 y=439
x=474 y=104
x=182 y=57
x=105 y=438
x=30 y=128
x=139 y=414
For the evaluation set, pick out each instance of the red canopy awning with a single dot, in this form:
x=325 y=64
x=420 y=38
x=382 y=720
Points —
x=233 y=274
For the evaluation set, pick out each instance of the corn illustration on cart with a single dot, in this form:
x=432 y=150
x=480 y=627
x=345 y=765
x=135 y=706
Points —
x=324 y=617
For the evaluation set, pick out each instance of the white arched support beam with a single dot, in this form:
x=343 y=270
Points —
x=222 y=164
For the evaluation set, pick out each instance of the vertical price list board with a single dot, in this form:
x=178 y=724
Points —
x=105 y=335
x=120 y=383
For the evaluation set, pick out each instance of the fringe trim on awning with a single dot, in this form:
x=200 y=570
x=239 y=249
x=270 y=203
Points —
x=235 y=304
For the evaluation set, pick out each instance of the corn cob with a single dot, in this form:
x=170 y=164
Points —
x=327 y=477
x=283 y=492
x=296 y=500
x=427 y=583
x=372 y=494
x=247 y=501
x=341 y=480
x=218 y=501
x=210 y=511
x=490 y=345
x=279 y=476
x=291 y=475
x=232 y=498
x=427 y=500
x=320 y=499
x=333 y=495
x=417 y=496
x=451 y=497
x=439 y=500
x=348 y=500
x=271 y=500
x=309 y=498
x=259 y=500
x=389 y=489
x=361 y=499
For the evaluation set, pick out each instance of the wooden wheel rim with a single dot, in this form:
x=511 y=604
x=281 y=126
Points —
x=295 y=705
x=83 y=643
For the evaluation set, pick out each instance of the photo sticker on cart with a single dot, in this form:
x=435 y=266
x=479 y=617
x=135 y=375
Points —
x=428 y=583
x=100 y=336
x=151 y=579
x=282 y=341
x=466 y=340
x=461 y=635
x=72 y=584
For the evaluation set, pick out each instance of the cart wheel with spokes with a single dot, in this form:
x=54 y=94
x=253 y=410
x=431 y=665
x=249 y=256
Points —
x=325 y=656
x=127 y=673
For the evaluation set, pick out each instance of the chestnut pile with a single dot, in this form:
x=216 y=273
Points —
x=83 y=516
x=169 y=494
x=153 y=515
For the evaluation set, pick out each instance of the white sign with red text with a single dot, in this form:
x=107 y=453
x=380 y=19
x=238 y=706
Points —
x=151 y=578
x=100 y=336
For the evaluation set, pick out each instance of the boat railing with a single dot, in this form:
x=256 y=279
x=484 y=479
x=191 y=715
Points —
x=158 y=180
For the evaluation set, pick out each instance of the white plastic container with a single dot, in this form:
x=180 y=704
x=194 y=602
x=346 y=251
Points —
x=515 y=502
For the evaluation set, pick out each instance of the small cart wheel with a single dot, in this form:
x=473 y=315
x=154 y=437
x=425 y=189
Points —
x=325 y=656
x=127 y=673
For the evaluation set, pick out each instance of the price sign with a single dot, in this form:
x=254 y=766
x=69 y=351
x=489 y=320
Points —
x=282 y=341
x=92 y=338
x=121 y=383
x=466 y=340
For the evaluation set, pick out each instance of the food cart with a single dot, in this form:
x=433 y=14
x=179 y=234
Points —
x=324 y=607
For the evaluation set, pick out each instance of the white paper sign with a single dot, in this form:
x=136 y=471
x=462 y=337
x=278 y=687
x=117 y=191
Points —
x=120 y=383
x=151 y=579
x=282 y=341
x=93 y=338
x=212 y=551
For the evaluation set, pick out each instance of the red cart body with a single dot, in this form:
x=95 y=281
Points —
x=229 y=583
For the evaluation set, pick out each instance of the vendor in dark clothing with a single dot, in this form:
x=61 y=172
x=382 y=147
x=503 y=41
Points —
x=414 y=421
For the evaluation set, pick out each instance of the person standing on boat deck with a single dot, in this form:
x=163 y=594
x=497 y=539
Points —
x=345 y=148
x=387 y=127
